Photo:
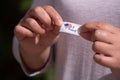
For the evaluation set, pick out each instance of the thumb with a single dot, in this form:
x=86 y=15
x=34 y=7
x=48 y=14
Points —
x=87 y=32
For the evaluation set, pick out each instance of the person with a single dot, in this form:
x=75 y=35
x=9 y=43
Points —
x=38 y=31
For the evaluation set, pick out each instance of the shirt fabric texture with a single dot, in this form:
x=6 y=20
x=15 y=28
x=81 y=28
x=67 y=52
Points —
x=74 y=55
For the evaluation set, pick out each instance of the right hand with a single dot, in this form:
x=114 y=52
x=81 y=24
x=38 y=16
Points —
x=36 y=32
x=38 y=29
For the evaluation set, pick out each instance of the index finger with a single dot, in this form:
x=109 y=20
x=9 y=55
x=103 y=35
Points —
x=97 y=25
x=87 y=30
x=57 y=19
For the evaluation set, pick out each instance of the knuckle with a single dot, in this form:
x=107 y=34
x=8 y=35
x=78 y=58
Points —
x=36 y=9
x=48 y=22
x=30 y=21
x=99 y=59
x=86 y=24
x=95 y=46
x=95 y=58
x=97 y=33
x=100 y=25
x=17 y=29
x=48 y=7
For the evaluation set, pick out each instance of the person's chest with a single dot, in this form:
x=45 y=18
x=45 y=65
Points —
x=82 y=11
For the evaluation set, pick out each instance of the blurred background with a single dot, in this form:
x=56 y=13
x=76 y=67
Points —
x=11 y=12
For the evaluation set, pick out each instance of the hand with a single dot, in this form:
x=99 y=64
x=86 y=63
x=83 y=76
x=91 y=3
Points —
x=106 y=43
x=39 y=27
x=36 y=32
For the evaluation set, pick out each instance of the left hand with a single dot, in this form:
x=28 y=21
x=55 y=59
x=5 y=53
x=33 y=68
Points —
x=106 y=43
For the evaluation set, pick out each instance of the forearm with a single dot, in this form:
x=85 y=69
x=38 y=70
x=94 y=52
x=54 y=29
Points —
x=35 y=61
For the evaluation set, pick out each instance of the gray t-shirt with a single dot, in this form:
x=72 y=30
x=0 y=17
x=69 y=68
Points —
x=74 y=56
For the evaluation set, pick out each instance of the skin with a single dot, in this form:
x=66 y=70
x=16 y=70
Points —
x=106 y=44
x=36 y=32
x=39 y=29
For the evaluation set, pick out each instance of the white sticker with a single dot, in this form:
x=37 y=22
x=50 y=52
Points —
x=70 y=28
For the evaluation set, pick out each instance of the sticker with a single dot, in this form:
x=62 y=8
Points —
x=70 y=28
